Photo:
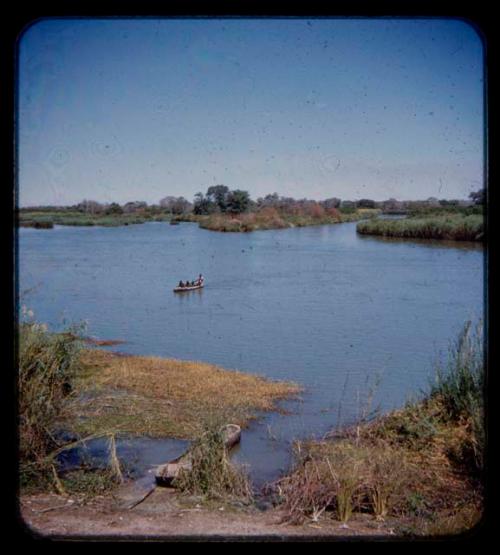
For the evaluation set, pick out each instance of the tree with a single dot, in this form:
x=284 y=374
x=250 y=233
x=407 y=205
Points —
x=203 y=205
x=114 y=208
x=477 y=197
x=366 y=203
x=332 y=202
x=238 y=201
x=175 y=205
x=218 y=195
x=90 y=207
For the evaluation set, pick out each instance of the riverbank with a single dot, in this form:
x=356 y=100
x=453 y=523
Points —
x=413 y=472
x=270 y=218
x=47 y=219
x=251 y=221
x=450 y=226
x=70 y=394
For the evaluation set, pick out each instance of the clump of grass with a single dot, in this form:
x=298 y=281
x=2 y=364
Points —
x=211 y=474
x=48 y=364
x=343 y=477
x=459 y=389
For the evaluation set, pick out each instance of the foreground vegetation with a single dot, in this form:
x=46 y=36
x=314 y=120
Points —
x=420 y=467
x=164 y=397
x=89 y=393
x=448 y=226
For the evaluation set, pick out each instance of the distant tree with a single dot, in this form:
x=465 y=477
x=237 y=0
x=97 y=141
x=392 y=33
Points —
x=366 y=203
x=175 y=205
x=203 y=205
x=330 y=203
x=238 y=201
x=114 y=208
x=477 y=197
x=90 y=207
x=135 y=206
x=218 y=195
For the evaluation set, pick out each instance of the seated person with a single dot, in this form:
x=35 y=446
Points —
x=181 y=284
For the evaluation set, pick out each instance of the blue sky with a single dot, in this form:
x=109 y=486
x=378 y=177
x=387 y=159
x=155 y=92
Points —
x=137 y=109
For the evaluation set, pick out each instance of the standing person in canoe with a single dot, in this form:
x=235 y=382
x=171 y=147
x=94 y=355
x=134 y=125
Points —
x=200 y=280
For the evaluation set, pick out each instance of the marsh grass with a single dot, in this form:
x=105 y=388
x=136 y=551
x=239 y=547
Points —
x=48 y=364
x=212 y=475
x=421 y=464
x=455 y=227
x=47 y=219
x=271 y=218
x=165 y=397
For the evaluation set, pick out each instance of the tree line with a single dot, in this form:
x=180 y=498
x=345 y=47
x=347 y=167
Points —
x=220 y=199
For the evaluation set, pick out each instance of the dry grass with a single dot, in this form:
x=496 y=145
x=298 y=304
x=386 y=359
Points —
x=394 y=467
x=212 y=475
x=165 y=397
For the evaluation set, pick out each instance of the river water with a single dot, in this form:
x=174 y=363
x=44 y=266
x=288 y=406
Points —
x=357 y=321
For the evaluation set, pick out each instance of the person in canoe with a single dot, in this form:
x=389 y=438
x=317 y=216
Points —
x=200 y=280
x=181 y=284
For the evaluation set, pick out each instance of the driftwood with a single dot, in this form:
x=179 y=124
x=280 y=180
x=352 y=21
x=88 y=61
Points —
x=166 y=473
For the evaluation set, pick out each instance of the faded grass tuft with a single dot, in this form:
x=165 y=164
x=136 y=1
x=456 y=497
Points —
x=212 y=475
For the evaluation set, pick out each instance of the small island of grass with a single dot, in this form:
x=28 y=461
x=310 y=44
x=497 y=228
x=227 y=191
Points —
x=451 y=226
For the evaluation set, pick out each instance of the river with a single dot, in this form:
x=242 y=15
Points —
x=358 y=321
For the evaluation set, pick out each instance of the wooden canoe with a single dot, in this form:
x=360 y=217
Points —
x=166 y=473
x=190 y=288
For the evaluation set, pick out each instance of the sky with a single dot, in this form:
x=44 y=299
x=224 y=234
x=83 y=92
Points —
x=117 y=110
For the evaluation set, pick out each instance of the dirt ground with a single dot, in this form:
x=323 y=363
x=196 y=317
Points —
x=163 y=515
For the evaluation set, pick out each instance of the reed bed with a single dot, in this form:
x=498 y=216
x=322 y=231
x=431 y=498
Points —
x=271 y=218
x=454 y=227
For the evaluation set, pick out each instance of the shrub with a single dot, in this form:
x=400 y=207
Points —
x=47 y=365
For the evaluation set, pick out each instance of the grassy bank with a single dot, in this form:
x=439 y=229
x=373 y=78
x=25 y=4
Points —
x=267 y=218
x=270 y=218
x=92 y=393
x=164 y=397
x=454 y=227
x=418 y=468
x=47 y=219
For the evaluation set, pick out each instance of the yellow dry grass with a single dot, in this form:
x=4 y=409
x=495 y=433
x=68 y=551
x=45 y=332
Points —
x=166 y=397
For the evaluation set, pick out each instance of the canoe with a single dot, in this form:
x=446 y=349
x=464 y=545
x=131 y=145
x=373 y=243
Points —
x=190 y=288
x=166 y=473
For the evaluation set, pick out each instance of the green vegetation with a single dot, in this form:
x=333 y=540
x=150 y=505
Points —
x=448 y=226
x=420 y=466
x=48 y=364
x=47 y=219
